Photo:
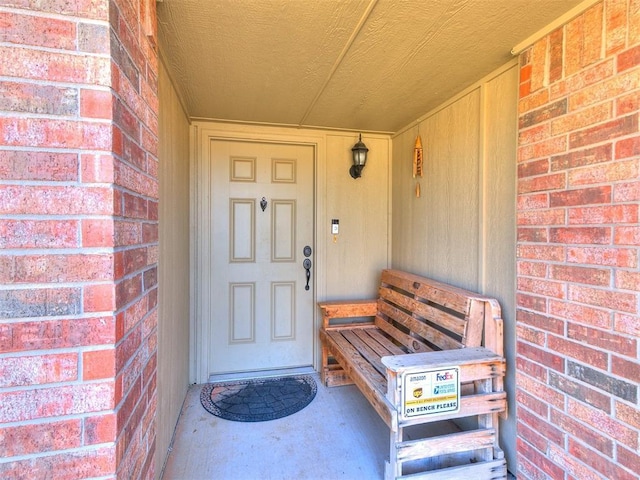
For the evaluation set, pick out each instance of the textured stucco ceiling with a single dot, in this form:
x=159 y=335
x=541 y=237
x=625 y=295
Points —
x=371 y=65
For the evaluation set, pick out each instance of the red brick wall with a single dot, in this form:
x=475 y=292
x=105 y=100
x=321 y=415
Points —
x=578 y=301
x=77 y=306
x=135 y=143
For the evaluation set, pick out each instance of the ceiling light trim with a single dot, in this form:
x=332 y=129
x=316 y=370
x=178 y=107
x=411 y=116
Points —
x=289 y=125
x=363 y=19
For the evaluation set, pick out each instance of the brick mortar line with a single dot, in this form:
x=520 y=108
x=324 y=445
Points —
x=535 y=414
x=133 y=167
x=607 y=206
x=79 y=382
x=589 y=305
x=126 y=307
x=53 y=453
x=566 y=356
x=124 y=367
x=56 y=51
x=613 y=117
x=108 y=314
x=55 y=183
x=57 y=16
x=56 y=83
x=134 y=193
x=567 y=320
x=65 y=118
x=78 y=218
x=56 y=150
x=56 y=286
x=128 y=190
x=79 y=250
x=56 y=418
x=144 y=388
x=566 y=263
x=549 y=156
x=53 y=351
x=77 y=184
x=136 y=352
x=138 y=96
x=578 y=380
x=77 y=284
x=611 y=269
x=550 y=121
x=124 y=248
x=141 y=320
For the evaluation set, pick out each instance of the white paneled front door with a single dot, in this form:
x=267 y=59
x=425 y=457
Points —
x=262 y=220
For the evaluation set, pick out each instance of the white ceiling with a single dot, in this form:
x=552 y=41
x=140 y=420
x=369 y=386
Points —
x=370 y=65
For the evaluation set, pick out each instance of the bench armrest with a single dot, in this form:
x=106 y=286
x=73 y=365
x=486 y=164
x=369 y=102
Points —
x=414 y=362
x=347 y=309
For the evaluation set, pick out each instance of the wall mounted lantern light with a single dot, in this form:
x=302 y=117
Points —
x=359 y=152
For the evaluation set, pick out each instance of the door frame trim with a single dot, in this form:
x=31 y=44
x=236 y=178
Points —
x=202 y=133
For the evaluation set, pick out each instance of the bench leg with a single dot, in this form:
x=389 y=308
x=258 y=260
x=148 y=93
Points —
x=393 y=468
x=325 y=365
x=489 y=420
x=331 y=373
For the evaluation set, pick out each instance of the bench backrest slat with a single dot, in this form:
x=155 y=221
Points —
x=422 y=330
x=448 y=296
x=453 y=323
x=412 y=344
x=427 y=312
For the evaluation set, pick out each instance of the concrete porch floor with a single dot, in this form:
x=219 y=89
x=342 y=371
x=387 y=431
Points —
x=337 y=436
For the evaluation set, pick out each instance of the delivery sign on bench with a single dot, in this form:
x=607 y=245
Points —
x=431 y=392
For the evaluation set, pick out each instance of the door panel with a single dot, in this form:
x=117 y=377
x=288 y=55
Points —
x=283 y=242
x=242 y=240
x=262 y=316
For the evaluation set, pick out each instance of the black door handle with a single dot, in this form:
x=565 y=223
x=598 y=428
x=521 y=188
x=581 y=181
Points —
x=307 y=266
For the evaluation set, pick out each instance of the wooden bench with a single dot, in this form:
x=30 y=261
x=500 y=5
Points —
x=420 y=328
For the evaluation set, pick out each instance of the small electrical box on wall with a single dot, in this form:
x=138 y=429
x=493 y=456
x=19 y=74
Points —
x=335 y=226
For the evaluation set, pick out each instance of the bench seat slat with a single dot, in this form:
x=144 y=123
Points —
x=371 y=375
x=388 y=344
x=372 y=343
x=366 y=351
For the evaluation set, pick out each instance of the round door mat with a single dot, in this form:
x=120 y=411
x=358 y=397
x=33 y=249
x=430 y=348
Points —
x=258 y=400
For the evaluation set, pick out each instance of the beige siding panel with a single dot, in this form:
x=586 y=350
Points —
x=409 y=224
x=444 y=220
x=461 y=230
x=452 y=192
x=360 y=251
x=173 y=265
